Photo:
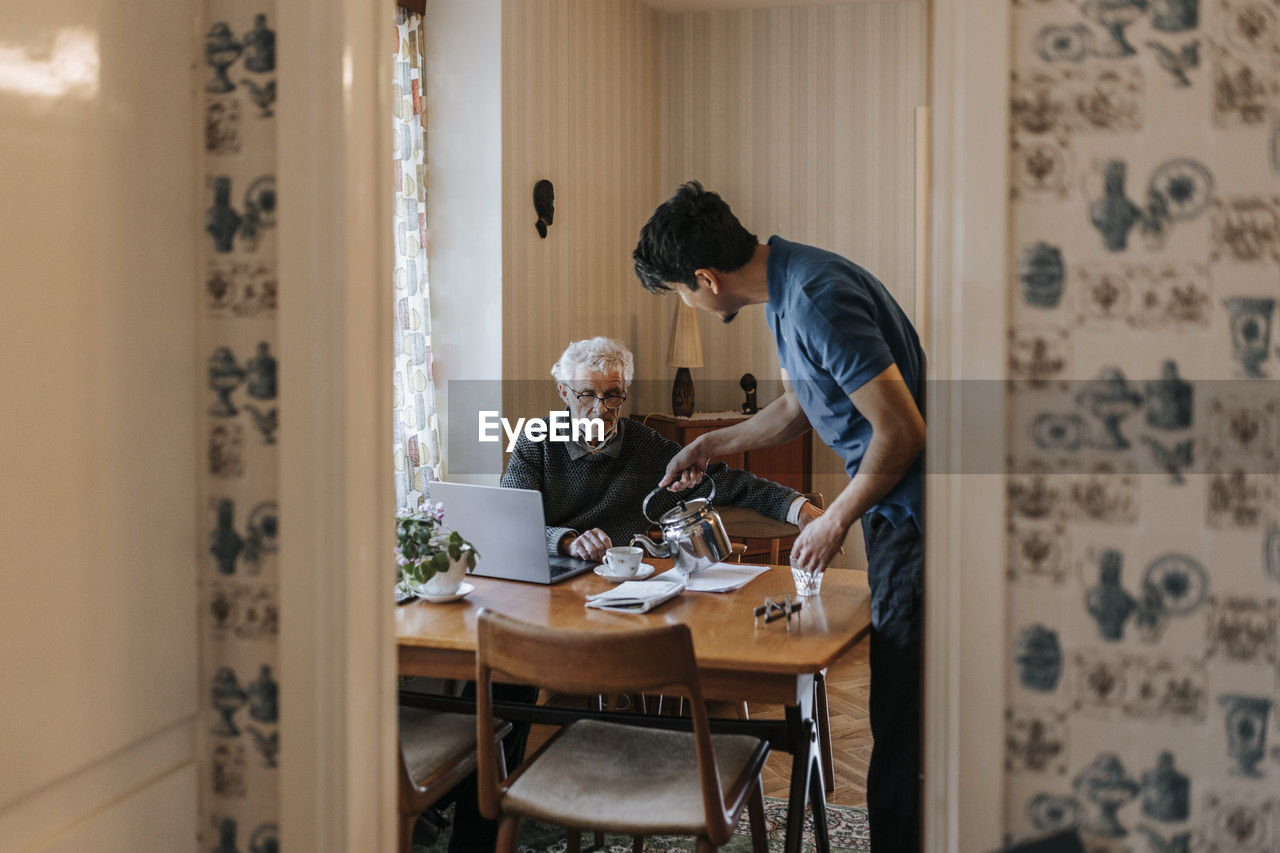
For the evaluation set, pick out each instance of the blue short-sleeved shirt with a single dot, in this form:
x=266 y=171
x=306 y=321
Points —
x=836 y=327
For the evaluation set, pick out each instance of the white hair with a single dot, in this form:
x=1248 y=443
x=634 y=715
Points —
x=599 y=354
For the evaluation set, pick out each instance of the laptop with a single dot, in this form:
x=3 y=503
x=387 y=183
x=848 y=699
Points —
x=508 y=529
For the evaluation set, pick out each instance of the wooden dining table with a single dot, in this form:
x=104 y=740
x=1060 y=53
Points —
x=739 y=657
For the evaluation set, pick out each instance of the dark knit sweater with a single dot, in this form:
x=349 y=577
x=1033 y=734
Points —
x=606 y=491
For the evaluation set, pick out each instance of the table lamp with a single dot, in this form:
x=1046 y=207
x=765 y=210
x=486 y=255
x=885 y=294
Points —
x=684 y=352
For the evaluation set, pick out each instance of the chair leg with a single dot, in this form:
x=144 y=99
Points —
x=704 y=845
x=824 y=731
x=755 y=812
x=406 y=832
x=575 y=841
x=508 y=832
x=599 y=840
x=637 y=844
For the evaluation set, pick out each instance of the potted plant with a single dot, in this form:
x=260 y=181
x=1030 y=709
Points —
x=432 y=558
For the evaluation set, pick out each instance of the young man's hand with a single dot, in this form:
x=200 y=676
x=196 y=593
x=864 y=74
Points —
x=686 y=468
x=818 y=542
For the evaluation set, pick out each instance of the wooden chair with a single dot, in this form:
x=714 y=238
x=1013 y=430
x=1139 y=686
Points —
x=594 y=775
x=437 y=751
x=742 y=523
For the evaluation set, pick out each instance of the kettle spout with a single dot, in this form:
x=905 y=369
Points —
x=654 y=549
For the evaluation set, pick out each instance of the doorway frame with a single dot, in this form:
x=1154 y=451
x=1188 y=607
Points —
x=337 y=776
x=337 y=641
x=965 y=488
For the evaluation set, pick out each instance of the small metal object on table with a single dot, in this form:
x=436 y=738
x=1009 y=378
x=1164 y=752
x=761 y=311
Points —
x=772 y=610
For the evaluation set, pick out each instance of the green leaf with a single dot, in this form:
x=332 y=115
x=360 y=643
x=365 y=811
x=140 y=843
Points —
x=439 y=563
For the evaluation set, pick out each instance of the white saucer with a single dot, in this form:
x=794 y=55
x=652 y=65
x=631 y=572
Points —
x=645 y=570
x=464 y=589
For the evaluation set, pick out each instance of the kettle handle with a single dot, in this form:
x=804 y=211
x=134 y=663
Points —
x=644 y=507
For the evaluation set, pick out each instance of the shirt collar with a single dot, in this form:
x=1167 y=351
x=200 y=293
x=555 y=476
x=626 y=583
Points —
x=776 y=271
x=612 y=445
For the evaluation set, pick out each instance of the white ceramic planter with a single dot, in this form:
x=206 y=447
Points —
x=446 y=583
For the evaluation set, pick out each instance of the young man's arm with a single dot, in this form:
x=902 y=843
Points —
x=777 y=423
x=897 y=438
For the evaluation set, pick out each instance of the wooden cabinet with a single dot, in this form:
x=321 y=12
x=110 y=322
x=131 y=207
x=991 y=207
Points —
x=789 y=464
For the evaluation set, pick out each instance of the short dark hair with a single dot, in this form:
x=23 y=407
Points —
x=692 y=230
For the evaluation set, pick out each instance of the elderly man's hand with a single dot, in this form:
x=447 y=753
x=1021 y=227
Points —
x=590 y=545
x=808 y=512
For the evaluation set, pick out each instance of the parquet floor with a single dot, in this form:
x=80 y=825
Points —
x=848 y=686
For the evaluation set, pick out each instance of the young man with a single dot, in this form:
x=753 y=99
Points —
x=855 y=372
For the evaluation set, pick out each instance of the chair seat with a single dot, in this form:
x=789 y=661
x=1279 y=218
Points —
x=627 y=779
x=432 y=740
x=743 y=523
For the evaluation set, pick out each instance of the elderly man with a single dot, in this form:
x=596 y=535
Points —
x=592 y=491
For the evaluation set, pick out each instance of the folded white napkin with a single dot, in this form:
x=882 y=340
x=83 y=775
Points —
x=636 y=596
x=723 y=577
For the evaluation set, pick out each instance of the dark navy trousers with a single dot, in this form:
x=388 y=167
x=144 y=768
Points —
x=895 y=572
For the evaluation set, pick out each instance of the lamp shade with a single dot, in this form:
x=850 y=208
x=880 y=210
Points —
x=685 y=349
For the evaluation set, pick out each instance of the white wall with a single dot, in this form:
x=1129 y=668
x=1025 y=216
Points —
x=464 y=197
x=97 y=502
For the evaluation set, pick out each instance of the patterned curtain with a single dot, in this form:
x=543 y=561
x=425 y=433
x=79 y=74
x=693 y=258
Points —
x=417 y=437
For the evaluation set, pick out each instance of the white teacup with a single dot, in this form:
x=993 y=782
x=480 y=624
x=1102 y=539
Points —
x=623 y=561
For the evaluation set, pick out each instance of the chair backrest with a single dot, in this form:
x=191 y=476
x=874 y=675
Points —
x=646 y=660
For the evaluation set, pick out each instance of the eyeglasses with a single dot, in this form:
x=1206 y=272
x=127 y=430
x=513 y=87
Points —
x=611 y=399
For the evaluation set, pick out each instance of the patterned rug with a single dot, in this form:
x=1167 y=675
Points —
x=846 y=827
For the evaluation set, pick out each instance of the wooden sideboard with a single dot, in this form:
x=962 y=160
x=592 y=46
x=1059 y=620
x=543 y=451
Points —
x=789 y=464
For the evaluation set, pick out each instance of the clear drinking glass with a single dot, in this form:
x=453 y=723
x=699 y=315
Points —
x=807 y=583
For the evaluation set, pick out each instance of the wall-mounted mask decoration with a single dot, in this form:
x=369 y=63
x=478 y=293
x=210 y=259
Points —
x=544 y=204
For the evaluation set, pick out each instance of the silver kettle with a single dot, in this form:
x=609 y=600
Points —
x=692 y=533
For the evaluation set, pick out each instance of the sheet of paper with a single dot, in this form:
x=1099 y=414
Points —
x=724 y=577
